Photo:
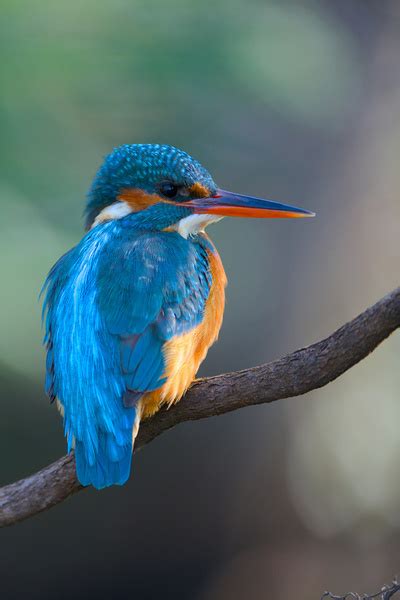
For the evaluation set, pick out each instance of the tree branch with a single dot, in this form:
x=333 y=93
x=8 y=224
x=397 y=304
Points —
x=386 y=593
x=297 y=373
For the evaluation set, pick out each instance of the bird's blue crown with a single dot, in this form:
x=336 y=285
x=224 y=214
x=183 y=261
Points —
x=144 y=167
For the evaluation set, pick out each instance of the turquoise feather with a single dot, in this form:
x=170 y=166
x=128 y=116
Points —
x=111 y=303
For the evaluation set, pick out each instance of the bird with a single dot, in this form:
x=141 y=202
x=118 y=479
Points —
x=131 y=311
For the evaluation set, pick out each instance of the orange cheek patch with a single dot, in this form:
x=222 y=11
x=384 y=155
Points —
x=138 y=199
x=198 y=190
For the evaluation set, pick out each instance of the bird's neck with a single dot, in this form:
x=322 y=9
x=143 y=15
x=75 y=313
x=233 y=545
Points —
x=171 y=218
x=193 y=224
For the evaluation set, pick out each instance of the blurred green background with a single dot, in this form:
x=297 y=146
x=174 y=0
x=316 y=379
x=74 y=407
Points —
x=297 y=101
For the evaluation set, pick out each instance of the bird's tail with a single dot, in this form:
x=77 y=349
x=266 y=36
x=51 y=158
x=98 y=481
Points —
x=108 y=462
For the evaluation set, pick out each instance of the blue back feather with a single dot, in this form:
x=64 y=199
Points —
x=110 y=305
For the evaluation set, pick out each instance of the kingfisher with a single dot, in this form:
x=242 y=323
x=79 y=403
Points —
x=131 y=311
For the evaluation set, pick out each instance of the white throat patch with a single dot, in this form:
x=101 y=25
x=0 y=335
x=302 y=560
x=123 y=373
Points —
x=195 y=223
x=185 y=227
x=118 y=210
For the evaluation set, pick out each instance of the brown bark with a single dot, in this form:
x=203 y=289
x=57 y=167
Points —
x=295 y=374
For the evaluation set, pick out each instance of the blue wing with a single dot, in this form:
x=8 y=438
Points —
x=111 y=306
x=158 y=291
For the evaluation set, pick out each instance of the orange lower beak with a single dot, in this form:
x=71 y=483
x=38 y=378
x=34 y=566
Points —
x=227 y=204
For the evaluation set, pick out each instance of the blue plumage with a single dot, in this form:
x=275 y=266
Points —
x=143 y=165
x=118 y=305
x=111 y=303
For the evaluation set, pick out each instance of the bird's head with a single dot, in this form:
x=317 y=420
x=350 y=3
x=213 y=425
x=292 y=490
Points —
x=175 y=189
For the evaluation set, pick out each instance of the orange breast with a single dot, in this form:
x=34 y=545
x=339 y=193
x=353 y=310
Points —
x=184 y=354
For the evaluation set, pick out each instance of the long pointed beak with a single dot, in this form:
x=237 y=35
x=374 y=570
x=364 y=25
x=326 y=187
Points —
x=228 y=204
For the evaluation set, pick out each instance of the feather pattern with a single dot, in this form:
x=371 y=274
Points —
x=112 y=305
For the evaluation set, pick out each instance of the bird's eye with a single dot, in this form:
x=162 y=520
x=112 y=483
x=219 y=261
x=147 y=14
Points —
x=168 y=189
